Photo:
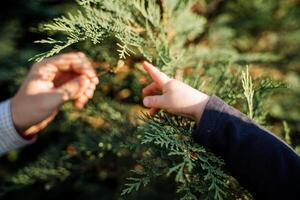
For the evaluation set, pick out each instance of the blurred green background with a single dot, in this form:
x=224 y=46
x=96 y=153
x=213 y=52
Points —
x=269 y=26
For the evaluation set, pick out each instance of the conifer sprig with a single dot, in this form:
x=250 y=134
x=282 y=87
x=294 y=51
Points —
x=162 y=32
x=248 y=91
x=171 y=136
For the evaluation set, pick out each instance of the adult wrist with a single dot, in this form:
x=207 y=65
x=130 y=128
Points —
x=17 y=121
x=15 y=115
x=10 y=139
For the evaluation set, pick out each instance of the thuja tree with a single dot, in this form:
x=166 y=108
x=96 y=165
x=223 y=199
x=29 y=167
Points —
x=109 y=140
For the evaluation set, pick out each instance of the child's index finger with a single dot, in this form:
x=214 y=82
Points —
x=159 y=77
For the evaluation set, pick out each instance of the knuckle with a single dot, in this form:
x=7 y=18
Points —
x=60 y=57
x=70 y=55
x=80 y=54
x=43 y=61
x=36 y=66
x=171 y=85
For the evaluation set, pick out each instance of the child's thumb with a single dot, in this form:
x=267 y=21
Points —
x=157 y=101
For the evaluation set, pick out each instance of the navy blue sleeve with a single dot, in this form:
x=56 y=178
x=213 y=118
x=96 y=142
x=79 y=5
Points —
x=262 y=163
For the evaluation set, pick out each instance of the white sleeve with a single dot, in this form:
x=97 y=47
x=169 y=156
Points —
x=9 y=138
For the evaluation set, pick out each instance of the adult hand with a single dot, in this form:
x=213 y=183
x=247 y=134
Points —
x=48 y=85
x=175 y=96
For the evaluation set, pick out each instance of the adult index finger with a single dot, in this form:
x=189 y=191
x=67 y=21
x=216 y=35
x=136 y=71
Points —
x=76 y=62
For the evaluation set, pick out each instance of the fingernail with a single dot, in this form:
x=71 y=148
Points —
x=79 y=106
x=89 y=93
x=147 y=63
x=95 y=80
x=80 y=54
x=146 y=102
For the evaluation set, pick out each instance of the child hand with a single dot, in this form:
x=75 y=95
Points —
x=175 y=96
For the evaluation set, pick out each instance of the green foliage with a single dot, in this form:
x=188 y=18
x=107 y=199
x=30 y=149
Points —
x=167 y=142
x=248 y=91
x=105 y=151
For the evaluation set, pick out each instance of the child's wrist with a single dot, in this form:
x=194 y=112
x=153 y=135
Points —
x=200 y=107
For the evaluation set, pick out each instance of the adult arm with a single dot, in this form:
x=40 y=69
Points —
x=49 y=84
x=9 y=137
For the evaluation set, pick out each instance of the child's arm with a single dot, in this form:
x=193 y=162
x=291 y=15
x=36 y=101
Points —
x=261 y=162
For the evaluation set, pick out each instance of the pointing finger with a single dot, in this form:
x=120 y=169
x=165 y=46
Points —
x=160 y=78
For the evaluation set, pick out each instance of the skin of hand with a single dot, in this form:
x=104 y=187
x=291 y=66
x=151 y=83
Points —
x=48 y=85
x=172 y=95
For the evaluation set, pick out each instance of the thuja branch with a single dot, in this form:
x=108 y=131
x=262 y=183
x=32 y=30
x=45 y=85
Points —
x=168 y=138
x=248 y=91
